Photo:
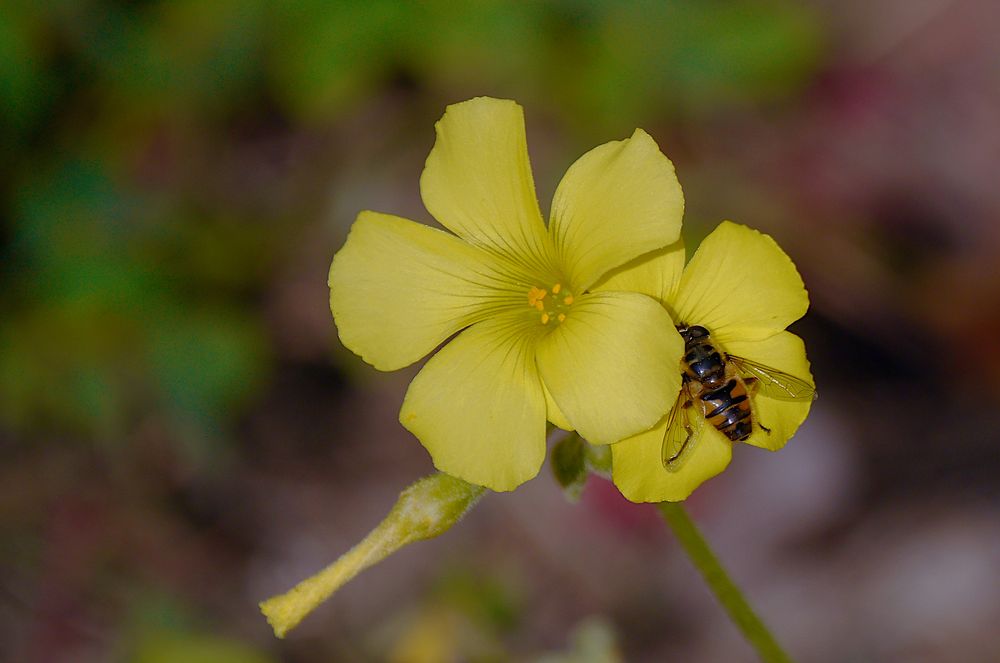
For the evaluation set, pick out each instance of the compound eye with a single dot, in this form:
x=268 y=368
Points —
x=698 y=332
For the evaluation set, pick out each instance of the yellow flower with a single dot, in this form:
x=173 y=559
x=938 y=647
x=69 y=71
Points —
x=745 y=291
x=533 y=342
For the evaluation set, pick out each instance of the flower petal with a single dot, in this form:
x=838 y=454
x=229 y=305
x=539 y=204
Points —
x=618 y=201
x=637 y=465
x=785 y=352
x=740 y=285
x=399 y=288
x=553 y=413
x=478 y=407
x=613 y=365
x=657 y=274
x=478 y=183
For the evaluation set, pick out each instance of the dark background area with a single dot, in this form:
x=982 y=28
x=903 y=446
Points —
x=182 y=435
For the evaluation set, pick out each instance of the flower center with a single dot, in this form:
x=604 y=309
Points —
x=552 y=304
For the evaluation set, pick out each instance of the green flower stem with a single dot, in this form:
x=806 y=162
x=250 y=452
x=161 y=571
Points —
x=727 y=593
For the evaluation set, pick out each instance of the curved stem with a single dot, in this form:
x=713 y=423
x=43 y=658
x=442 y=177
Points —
x=727 y=593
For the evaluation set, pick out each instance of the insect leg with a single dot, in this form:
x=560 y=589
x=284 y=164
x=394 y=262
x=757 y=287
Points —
x=752 y=385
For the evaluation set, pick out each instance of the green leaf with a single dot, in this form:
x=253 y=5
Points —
x=599 y=459
x=569 y=465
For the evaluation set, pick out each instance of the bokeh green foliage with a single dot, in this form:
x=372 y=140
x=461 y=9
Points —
x=162 y=630
x=195 y=648
x=470 y=617
x=113 y=313
x=598 y=63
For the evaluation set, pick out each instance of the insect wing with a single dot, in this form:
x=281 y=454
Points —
x=681 y=433
x=774 y=383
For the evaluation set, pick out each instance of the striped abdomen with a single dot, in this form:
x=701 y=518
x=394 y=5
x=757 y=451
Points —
x=728 y=409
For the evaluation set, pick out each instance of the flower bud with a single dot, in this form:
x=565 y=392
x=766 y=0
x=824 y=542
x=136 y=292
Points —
x=424 y=510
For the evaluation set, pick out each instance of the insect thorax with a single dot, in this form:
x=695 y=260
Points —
x=703 y=362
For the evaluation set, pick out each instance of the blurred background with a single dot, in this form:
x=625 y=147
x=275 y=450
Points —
x=182 y=435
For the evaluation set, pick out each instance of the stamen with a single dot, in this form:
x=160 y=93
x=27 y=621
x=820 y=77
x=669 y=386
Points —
x=535 y=295
x=552 y=309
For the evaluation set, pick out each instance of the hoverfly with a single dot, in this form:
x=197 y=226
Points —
x=719 y=385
